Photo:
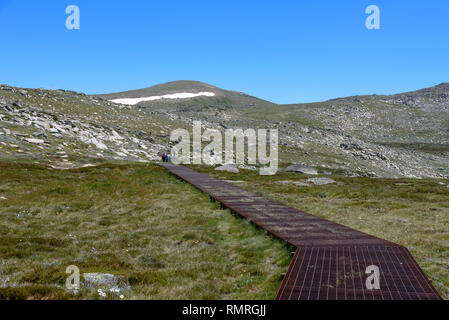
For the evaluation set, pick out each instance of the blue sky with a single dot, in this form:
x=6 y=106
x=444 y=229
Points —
x=282 y=51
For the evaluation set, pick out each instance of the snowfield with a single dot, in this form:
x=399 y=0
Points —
x=134 y=101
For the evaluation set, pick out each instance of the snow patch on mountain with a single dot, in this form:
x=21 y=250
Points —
x=134 y=101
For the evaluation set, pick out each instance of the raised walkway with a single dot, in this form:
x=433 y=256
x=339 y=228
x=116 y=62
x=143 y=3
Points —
x=330 y=260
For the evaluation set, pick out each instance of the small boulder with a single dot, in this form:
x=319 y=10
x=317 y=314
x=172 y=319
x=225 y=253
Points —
x=297 y=183
x=41 y=135
x=98 y=144
x=35 y=141
x=302 y=169
x=321 y=181
x=7 y=108
x=228 y=168
x=101 y=279
x=301 y=184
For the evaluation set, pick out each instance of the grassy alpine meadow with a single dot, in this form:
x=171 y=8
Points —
x=159 y=238
x=410 y=212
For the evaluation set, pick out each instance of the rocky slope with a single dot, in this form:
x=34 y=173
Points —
x=46 y=126
x=403 y=135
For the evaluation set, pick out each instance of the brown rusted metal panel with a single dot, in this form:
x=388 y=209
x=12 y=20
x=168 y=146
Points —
x=338 y=272
x=331 y=259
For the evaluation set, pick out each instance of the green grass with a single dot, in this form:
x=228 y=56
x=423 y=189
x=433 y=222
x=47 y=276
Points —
x=161 y=237
x=165 y=240
x=413 y=213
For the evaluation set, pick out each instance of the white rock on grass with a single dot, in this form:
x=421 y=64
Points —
x=35 y=141
x=228 y=168
x=116 y=135
x=320 y=181
x=297 y=183
x=98 y=144
x=302 y=169
x=101 y=279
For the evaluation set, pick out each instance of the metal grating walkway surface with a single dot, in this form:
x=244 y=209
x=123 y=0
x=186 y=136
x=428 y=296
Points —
x=331 y=259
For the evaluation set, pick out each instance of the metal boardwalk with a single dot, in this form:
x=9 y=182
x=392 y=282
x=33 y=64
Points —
x=331 y=259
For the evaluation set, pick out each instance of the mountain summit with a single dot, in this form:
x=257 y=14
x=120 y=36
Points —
x=185 y=89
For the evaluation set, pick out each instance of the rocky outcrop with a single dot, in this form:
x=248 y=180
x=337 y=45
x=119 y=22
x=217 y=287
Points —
x=302 y=169
x=31 y=131
x=228 y=168
x=321 y=181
